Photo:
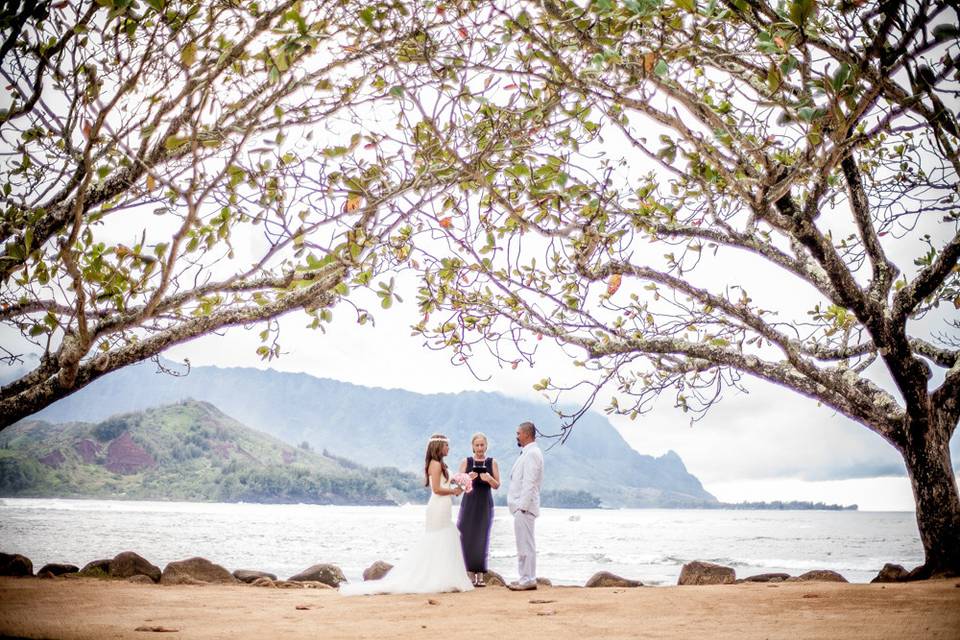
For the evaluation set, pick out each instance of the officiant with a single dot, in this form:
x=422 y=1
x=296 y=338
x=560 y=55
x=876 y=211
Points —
x=476 y=508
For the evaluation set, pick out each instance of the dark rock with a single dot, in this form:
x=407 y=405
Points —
x=14 y=564
x=329 y=574
x=250 y=576
x=195 y=571
x=607 y=579
x=892 y=573
x=821 y=575
x=128 y=564
x=377 y=570
x=767 y=577
x=96 y=569
x=140 y=579
x=59 y=569
x=923 y=572
x=697 y=572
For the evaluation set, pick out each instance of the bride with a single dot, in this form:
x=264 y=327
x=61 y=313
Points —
x=435 y=562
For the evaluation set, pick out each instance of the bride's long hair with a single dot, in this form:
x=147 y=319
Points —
x=435 y=452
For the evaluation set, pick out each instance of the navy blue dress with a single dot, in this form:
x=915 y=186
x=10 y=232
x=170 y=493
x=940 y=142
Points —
x=476 y=520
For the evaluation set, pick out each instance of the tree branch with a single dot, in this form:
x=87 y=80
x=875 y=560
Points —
x=37 y=396
x=884 y=271
x=926 y=282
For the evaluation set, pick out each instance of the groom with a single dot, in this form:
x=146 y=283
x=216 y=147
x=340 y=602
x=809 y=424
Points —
x=523 y=500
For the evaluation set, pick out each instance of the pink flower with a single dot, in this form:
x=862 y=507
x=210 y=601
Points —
x=465 y=482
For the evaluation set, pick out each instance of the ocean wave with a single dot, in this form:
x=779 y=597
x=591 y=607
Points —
x=595 y=557
x=352 y=537
x=797 y=566
x=668 y=560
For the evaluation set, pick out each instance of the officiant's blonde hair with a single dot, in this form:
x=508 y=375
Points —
x=435 y=452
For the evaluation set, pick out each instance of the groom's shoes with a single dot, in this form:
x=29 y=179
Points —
x=522 y=586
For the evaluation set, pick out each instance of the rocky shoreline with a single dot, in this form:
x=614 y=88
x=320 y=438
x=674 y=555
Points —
x=132 y=567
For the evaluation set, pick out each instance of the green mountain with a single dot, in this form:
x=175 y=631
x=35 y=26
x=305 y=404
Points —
x=390 y=427
x=185 y=451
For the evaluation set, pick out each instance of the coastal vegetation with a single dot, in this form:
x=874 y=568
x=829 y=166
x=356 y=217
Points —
x=191 y=450
x=783 y=505
x=185 y=451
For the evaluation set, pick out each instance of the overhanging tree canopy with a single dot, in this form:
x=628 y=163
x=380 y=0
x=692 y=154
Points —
x=684 y=193
x=175 y=168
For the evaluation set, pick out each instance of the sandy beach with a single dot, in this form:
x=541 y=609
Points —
x=89 y=608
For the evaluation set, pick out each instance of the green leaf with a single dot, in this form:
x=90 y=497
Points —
x=396 y=91
x=789 y=65
x=943 y=32
x=661 y=69
x=188 y=55
x=773 y=78
x=801 y=11
x=689 y=5
x=172 y=143
x=807 y=113
x=840 y=77
x=367 y=15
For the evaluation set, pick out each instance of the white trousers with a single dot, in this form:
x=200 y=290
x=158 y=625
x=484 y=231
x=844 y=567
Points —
x=523 y=524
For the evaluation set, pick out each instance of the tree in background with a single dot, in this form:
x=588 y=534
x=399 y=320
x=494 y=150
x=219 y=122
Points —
x=682 y=193
x=171 y=169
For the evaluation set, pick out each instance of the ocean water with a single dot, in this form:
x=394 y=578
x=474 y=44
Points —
x=650 y=545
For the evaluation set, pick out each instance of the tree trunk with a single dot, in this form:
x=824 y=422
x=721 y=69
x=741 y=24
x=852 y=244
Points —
x=926 y=452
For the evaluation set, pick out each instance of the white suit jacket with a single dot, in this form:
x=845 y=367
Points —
x=526 y=476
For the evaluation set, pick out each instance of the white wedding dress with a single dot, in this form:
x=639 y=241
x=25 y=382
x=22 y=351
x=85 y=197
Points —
x=434 y=563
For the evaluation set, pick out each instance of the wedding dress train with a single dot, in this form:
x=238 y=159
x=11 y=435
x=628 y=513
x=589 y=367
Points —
x=434 y=563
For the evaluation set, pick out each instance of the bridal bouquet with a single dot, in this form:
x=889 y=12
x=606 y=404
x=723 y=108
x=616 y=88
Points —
x=464 y=481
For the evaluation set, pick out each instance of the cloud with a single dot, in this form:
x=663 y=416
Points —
x=769 y=433
x=854 y=472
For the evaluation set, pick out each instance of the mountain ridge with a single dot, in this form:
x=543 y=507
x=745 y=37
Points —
x=389 y=427
x=189 y=450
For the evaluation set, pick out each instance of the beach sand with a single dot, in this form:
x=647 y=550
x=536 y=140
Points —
x=88 y=608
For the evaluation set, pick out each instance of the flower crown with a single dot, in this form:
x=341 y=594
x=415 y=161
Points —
x=438 y=439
